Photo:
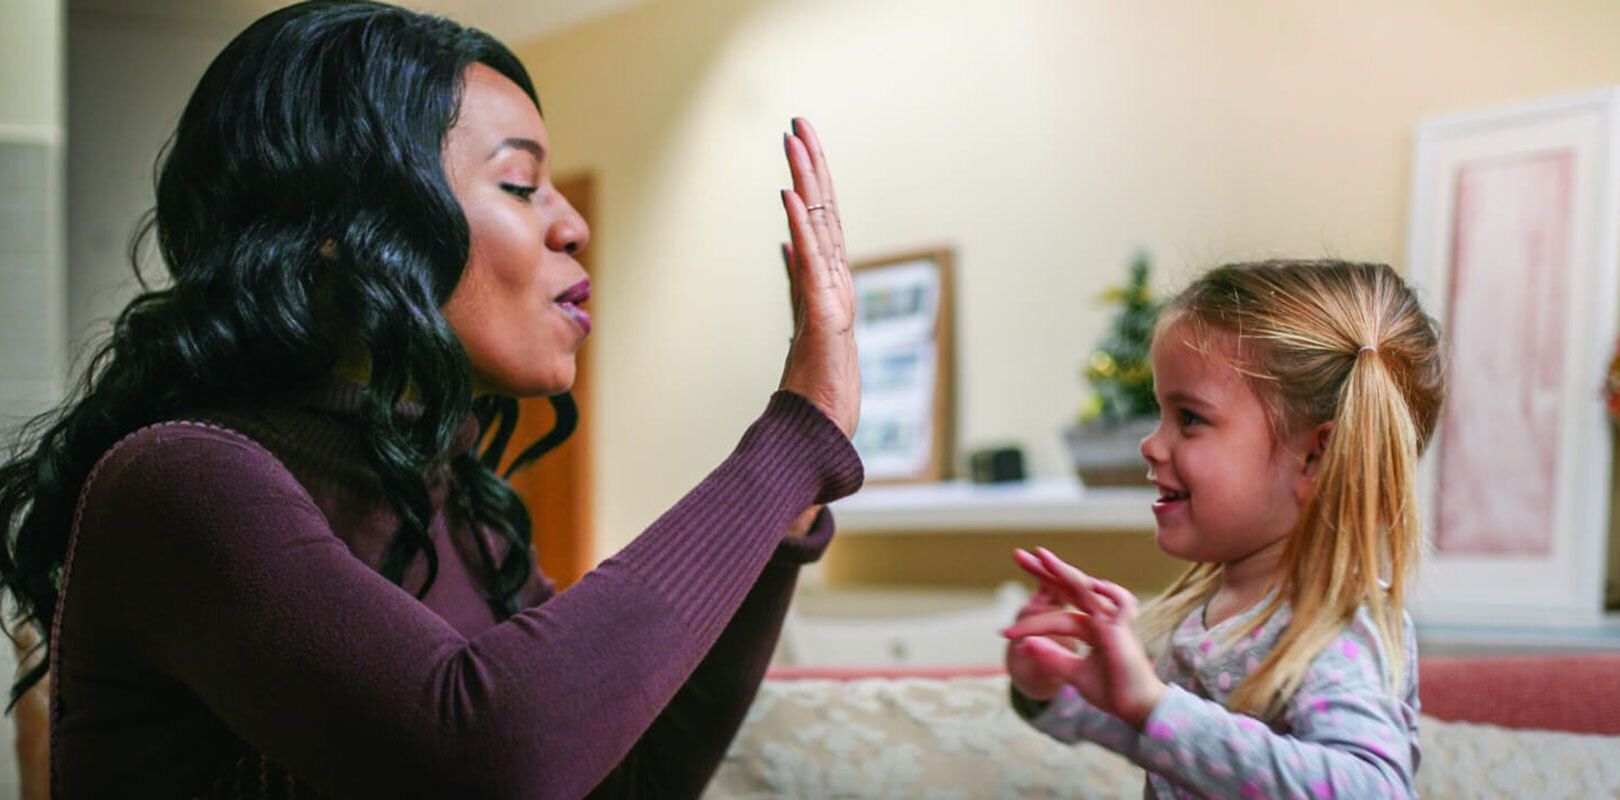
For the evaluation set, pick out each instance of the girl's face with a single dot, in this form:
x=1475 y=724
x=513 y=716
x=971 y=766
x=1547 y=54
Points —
x=1228 y=489
x=517 y=307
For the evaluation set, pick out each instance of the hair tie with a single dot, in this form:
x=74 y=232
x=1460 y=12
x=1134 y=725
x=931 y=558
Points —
x=1365 y=348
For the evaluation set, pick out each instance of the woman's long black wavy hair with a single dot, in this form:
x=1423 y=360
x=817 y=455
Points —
x=302 y=205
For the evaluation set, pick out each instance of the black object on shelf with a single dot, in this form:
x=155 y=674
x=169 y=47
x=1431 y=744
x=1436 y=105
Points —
x=996 y=465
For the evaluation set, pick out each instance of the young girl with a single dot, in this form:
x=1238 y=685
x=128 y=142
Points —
x=1296 y=398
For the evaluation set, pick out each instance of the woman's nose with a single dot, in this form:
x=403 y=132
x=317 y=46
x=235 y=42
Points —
x=569 y=231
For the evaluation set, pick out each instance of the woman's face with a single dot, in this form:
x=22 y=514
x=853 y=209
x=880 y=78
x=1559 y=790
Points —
x=517 y=308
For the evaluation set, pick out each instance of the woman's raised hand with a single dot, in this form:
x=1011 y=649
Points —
x=821 y=364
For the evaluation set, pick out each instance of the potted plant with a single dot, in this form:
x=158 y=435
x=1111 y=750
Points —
x=1121 y=409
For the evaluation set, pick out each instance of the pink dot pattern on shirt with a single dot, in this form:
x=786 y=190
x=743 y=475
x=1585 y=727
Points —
x=1161 y=730
x=1321 y=790
x=1351 y=651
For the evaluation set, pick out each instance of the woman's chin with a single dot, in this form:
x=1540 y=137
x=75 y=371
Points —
x=527 y=384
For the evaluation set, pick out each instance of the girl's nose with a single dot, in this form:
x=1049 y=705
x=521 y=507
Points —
x=1153 y=447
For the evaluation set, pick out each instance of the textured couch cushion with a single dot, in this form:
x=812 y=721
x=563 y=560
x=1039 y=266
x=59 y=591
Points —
x=956 y=738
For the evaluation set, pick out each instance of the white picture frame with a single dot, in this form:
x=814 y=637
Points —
x=1515 y=248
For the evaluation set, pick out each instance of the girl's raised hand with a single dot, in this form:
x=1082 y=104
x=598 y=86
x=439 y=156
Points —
x=1116 y=675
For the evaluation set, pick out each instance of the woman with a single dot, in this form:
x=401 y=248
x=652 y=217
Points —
x=267 y=552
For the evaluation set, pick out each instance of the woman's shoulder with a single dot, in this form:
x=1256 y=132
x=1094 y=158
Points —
x=184 y=456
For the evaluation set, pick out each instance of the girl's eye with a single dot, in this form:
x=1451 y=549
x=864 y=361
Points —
x=1189 y=418
x=521 y=192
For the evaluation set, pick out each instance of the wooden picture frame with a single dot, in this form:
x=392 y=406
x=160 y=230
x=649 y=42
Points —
x=904 y=326
x=1515 y=249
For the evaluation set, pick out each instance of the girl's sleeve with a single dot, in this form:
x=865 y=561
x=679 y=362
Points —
x=1069 y=718
x=1348 y=736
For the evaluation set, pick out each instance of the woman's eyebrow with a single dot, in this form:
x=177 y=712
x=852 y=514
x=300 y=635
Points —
x=519 y=143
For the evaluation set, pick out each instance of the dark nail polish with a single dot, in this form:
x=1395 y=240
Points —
x=784 y=197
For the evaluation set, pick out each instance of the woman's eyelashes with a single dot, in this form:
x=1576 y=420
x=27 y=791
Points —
x=520 y=191
x=1188 y=418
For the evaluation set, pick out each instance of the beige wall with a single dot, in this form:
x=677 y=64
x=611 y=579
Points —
x=1044 y=140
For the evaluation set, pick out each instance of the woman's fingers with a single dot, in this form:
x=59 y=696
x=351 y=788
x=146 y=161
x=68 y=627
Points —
x=795 y=299
x=809 y=188
x=818 y=160
x=802 y=245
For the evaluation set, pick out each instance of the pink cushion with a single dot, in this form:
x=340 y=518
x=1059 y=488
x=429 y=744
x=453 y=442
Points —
x=1579 y=694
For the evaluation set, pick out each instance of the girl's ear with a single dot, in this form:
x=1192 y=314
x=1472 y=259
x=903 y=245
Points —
x=1315 y=447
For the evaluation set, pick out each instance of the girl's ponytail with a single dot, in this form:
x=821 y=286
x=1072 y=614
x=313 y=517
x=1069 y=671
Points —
x=1359 y=537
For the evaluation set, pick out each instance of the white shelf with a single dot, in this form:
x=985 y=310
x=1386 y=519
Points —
x=1046 y=504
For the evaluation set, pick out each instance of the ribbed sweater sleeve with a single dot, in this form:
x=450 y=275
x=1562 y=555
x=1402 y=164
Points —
x=681 y=751
x=218 y=570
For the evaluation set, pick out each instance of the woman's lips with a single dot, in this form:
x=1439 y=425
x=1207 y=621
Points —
x=570 y=301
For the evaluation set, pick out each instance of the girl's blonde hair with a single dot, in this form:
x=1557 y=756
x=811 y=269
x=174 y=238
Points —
x=1339 y=342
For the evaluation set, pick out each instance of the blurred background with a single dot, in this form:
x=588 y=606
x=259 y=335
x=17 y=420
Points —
x=1042 y=142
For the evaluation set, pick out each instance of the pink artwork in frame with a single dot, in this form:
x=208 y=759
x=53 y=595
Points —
x=1499 y=438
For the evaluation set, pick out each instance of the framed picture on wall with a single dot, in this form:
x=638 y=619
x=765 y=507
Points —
x=1515 y=245
x=903 y=329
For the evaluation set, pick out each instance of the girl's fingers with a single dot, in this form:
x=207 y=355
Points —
x=1064 y=588
x=1123 y=600
x=1051 y=655
x=1051 y=623
x=1031 y=564
x=1078 y=587
x=1075 y=584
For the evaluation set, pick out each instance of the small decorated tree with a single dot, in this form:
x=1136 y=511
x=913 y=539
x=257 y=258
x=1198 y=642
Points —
x=1120 y=371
